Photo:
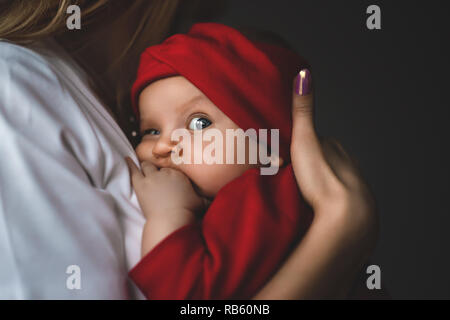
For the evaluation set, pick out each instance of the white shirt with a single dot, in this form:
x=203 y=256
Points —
x=65 y=192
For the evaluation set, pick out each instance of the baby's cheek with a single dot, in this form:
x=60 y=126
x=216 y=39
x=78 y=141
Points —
x=144 y=151
x=211 y=178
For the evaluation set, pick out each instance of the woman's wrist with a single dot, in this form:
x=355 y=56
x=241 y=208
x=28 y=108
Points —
x=324 y=262
x=356 y=221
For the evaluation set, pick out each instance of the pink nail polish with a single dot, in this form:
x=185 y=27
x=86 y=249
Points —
x=303 y=82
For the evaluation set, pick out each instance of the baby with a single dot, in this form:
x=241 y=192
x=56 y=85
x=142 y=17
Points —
x=220 y=227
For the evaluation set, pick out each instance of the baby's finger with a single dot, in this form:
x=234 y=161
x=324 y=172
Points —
x=148 y=168
x=135 y=172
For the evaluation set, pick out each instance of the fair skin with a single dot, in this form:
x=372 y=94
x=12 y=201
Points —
x=336 y=245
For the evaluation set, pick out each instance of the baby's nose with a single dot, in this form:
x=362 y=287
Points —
x=162 y=152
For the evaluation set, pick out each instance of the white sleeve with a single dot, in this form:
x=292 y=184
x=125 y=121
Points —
x=52 y=215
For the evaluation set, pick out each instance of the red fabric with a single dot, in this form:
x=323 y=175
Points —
x=254 y=221
x=250 y=228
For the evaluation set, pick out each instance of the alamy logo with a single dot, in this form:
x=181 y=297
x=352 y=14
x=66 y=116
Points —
x=374 y=280
x=224 y=150
x=74 y=20
x=374 y=20
x=73 y=281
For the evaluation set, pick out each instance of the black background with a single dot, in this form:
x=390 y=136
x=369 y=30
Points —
x=384 y=94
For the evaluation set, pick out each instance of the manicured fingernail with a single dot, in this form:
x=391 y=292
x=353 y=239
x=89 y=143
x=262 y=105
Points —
x=303 y=82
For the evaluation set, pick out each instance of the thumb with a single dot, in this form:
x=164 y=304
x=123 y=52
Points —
x=308 y=160
x=303 y=101
x=304 y=135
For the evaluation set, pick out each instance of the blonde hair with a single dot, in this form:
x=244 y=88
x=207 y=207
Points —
x=114 y=33
x=23 y=21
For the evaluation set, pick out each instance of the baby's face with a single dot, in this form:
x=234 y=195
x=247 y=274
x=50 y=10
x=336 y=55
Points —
x=175 y=103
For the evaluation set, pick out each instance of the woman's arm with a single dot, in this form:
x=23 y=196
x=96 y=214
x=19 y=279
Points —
x=344 y=229
x=323 y=265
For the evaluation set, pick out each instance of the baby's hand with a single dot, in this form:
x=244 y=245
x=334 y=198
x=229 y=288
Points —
x=167 y=199
x=164 y=192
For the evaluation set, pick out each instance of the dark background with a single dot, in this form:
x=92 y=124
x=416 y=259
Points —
x=384 y=94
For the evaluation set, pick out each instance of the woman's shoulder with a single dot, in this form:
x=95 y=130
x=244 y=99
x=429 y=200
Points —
x=44 y=57
x=37 y=99
x=29 y=80
x=9 y=48
x=24 y=69
x=13 y=55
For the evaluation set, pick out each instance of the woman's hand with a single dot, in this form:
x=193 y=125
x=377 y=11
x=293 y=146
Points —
x=344 y=230
x=327 y=176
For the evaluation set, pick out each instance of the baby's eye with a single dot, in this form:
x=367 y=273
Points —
x=150 y=131
x=199 y=123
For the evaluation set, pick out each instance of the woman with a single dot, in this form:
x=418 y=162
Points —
x=72 y=220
